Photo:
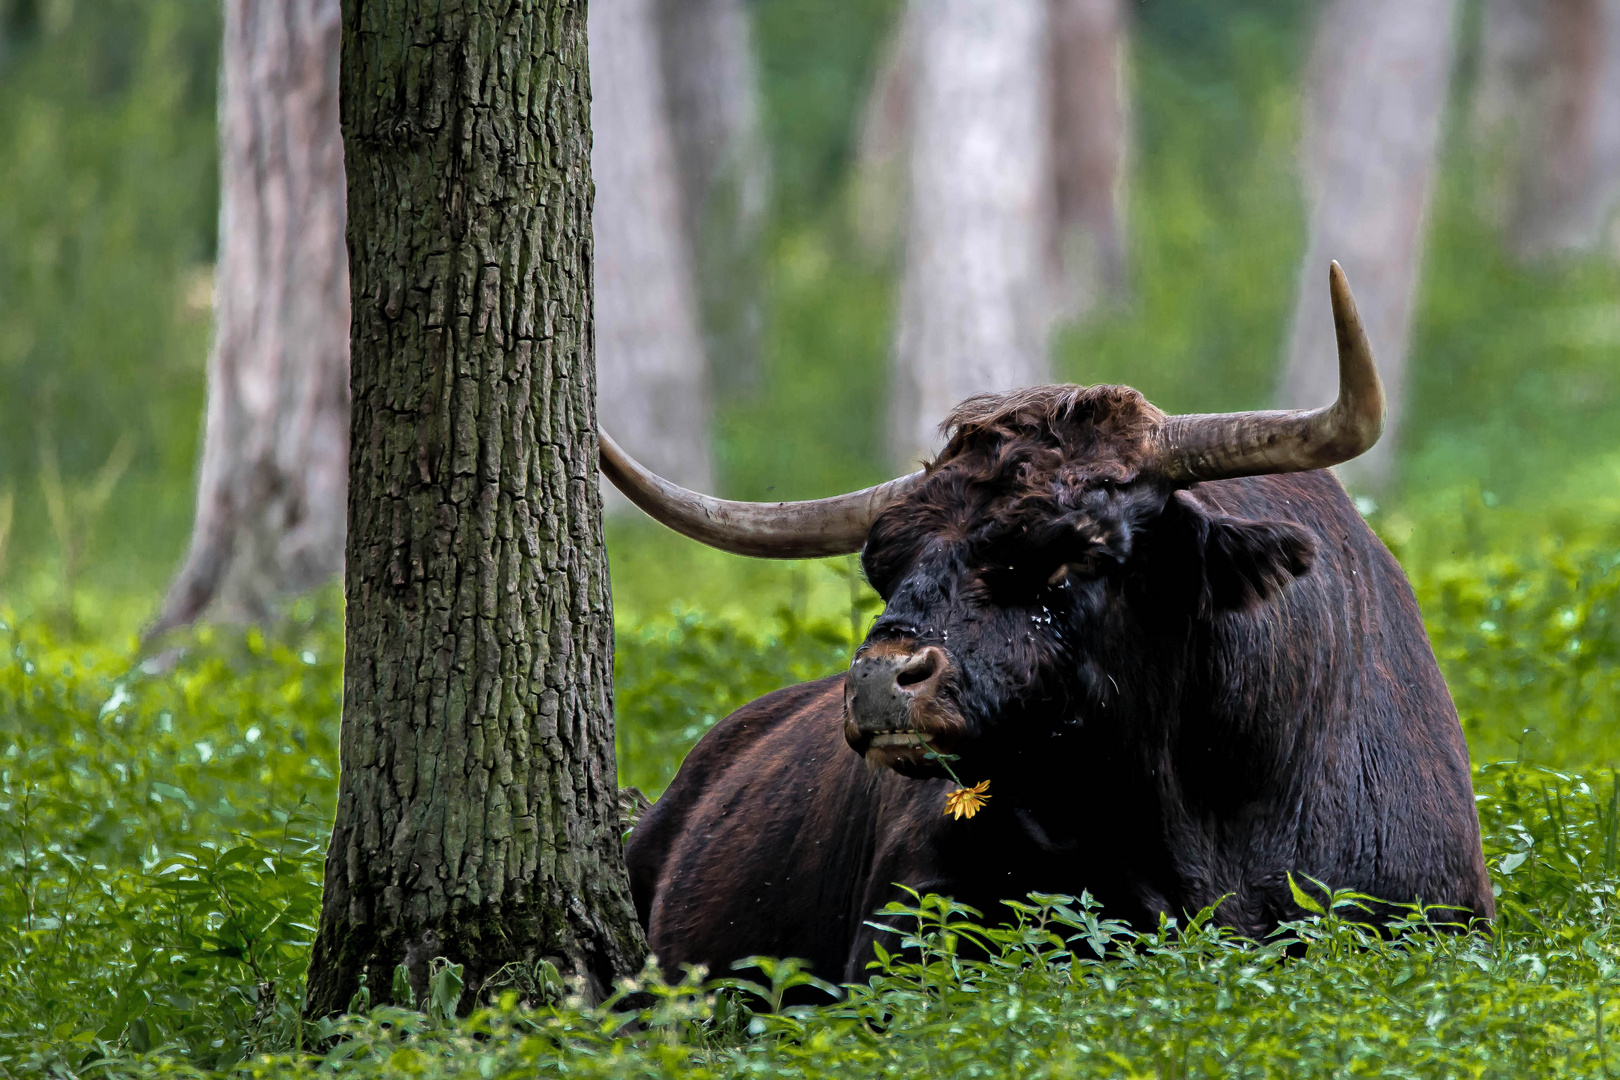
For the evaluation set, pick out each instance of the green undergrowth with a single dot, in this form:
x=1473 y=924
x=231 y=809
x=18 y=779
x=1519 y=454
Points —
x=163 y=824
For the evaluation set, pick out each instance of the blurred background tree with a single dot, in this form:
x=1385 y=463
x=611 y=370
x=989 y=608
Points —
x=1375 y=96
x=976 y=305
x=682 y=177
x=273 y=476
x=653 y=376
x=109 y=209
x=1548 y=104
x=998 y=135
x=711 y=87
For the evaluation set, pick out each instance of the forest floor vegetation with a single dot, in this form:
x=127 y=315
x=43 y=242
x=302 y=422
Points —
x=163 y=823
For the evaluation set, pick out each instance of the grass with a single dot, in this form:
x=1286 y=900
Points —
x=164 y=827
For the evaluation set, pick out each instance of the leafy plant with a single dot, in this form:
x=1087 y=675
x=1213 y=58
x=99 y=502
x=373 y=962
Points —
x=162 y=829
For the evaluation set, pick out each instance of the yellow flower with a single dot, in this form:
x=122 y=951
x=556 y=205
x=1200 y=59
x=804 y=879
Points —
x=964 y=802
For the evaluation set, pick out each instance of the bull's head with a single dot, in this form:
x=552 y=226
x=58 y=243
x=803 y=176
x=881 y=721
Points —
x=1014 y=565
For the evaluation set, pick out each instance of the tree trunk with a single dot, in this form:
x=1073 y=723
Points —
x=712 y=94
x=655 y=390
x=883 y=145
x=975 y=307
x=476 y=810
x=1377 y=85
x=1090 y=149
x=270 y=498
x=1549 y=104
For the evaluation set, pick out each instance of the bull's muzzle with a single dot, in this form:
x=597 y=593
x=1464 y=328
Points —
x=893 y=707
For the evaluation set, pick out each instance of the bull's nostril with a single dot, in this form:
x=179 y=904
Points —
x=888 y=690
x=913 y=676
x=919 y=669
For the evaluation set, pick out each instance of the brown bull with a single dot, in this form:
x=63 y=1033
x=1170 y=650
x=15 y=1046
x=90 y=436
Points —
x=1181 y=660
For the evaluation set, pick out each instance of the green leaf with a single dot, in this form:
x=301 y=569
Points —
x=1303 y=899
x=402 y=992
x=444 y=990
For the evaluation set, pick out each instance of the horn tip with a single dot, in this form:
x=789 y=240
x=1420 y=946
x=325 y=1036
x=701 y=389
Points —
x=1344 y=301
x=1338 y=283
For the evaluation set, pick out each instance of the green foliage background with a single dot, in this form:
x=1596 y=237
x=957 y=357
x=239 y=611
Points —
x=163 y=820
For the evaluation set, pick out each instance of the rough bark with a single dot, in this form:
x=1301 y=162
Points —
x=712 y=95
x=976 y=306
x=270 y=498
x=477 y=814
x=1377 y=84
x=1548 y=108
x=1090 y=149
x=655 y=389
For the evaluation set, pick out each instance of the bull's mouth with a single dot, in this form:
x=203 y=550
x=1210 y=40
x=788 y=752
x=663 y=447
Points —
x=906 y=751
x=897 y=713
x=883 y=740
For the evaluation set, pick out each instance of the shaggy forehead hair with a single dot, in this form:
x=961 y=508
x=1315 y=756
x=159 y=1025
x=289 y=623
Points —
x=1014 y=463
x=1101 y=431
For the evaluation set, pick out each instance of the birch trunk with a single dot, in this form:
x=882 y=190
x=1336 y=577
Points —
x=1090 y=150
x=655 y=389
x=270 y=498
x=477 y=813
x=1377 y=84
x=712 y=94
x=975 y=306
x=1548 y=104
x=883 y=144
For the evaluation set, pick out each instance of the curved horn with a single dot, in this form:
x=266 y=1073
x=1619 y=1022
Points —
x=1223 y=446
x=787 y=530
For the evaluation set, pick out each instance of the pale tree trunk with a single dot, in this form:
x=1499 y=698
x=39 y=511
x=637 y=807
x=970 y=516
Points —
x=883 y=143
x=1090 y=149
x=712 y=95
x=270 y=499
x=1377 y=84
x=976 y=305
x=477 y=805
x=655 y=389
x=1090 y=154
x=1548 y=104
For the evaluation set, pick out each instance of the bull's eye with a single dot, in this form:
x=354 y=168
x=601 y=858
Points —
x=1021 y=581
x=1020 y=565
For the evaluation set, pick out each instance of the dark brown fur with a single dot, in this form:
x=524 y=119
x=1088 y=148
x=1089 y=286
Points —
x=1226 y=684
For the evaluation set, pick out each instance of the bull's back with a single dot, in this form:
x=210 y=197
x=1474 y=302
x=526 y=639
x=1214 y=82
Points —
x=767 y=839
x=1379 y=794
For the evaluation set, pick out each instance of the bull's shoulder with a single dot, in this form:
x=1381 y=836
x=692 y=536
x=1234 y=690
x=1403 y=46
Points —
x=788 y=717
x=760 y=718
x=765 y=841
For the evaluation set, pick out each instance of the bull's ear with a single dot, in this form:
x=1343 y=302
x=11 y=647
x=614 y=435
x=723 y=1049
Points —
x=1245 y=561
